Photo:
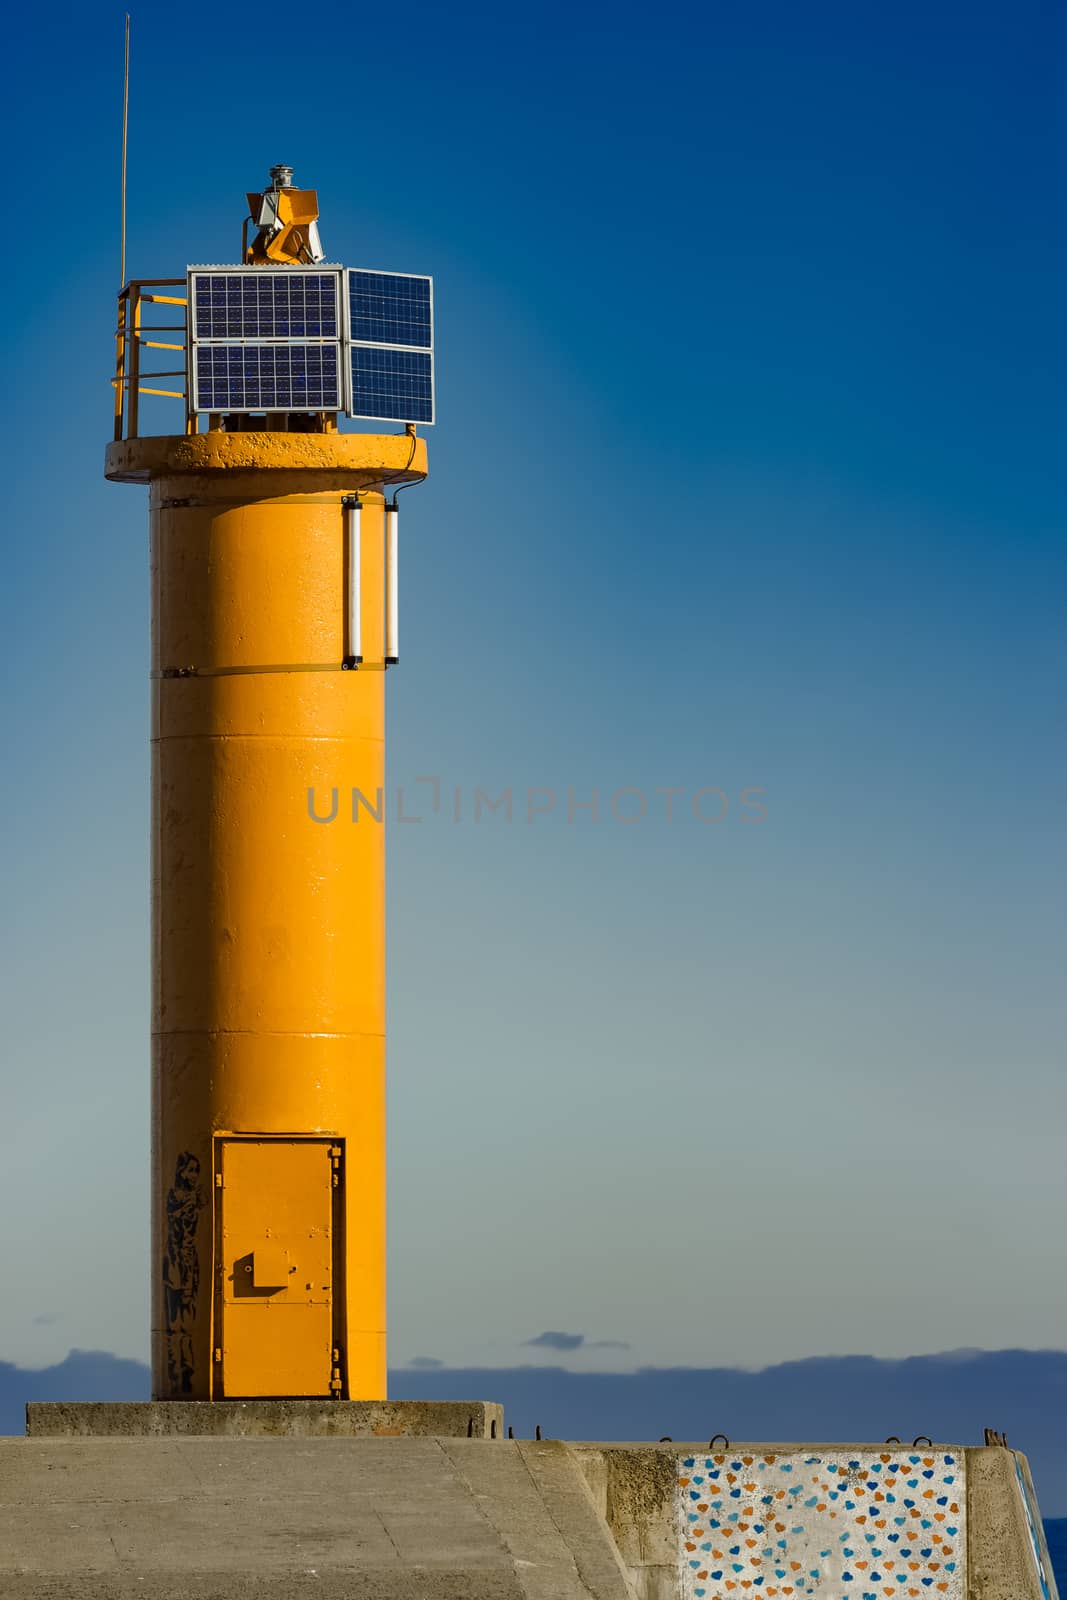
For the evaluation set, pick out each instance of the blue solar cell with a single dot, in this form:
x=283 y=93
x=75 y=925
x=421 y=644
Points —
x=259 y=304
x=392 y=385
x=389 y=308
x=267 y=377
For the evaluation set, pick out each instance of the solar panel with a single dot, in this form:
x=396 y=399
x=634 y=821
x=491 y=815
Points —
x=267 y=377
x=390 y=308
x=391 y=385
x=256 y=303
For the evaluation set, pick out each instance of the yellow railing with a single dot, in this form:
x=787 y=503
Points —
x=130 y=340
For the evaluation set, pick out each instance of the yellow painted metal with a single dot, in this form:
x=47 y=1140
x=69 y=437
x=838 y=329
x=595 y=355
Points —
x=296 y=208
x=268 y=1010
x=276 y=1263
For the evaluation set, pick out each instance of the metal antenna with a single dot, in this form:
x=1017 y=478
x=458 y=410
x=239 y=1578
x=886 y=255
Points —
x=125 y=124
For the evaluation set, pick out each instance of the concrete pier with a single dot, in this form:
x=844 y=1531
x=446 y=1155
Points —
x=260 y=1501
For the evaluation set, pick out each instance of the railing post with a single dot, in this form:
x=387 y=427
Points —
x=120 y=361
x=133 y=403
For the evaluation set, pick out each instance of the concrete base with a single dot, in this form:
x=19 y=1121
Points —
x=254 y=1419
x=280 y=1519
x=110 y=1516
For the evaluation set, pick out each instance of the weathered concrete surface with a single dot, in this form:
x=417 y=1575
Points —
x=1000 y=1555
x=245 y=1419
x=363 y=1519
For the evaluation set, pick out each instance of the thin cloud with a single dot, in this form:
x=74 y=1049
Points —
x=555 y=1339
x=425 y=1363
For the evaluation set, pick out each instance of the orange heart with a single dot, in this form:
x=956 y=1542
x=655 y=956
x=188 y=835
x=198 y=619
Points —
x=746 y=1583
x=717 y=1554
x=861 y=1520
x=683 y=1482
x=939 y=1516
x=702 y=1574
x=883 y=1458
x=913 y=1536
x=928 y=1494
x=935 y=1566
x=747 y=1460
x=862 y=1565
x=879 y=1522
x=942 y=1587
x=928 y=1461
x=731 y=1477
x=754 y=1561
x=743 y=1526
x=787 y=1588
x=879 y=1495
x=954 y=1508
x=913 y=1591
x=795 y=1565
x=703 y=1507
x=889 y=1482
x=751 y=1543
x=887 y=1591
x=914 y=1565
x=749 y=1488
x=730 y=1584
x=821 y=1506
x=689 y=1546
x=860 y=1493
x=772 y=1591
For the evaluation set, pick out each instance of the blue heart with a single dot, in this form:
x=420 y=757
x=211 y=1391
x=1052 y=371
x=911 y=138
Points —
x=952 y=1531
x=735 y=1494
x=716 y=1473
x=812 y=1502
x=717 y=1574
x=846 y=1577
x=900 y=1521
x=942 y=1499
x=950 y=1566
x=834 y=1493
x=779 y=1572
x=924 y=1524
x=735 y=1550
x=894 y=1466
x=929 y=1472
x=738 y=1567
x=893 y=1537
x=909 y=1504
x=927 y=1553
x=915 y=1460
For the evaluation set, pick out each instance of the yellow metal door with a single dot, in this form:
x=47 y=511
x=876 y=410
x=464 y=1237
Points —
x=276 y=1258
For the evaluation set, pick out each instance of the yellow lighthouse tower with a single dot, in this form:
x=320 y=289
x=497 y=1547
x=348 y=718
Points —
x=274 y=617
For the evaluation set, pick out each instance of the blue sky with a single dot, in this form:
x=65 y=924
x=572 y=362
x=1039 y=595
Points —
x=749 y=474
